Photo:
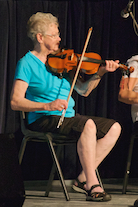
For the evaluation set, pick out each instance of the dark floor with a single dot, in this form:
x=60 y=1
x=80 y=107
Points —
x=35 y=194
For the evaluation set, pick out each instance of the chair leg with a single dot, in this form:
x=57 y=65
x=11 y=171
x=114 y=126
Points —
x=22 y=149
x=58 y=168
x=128 y=164
x=98 y=176
x=52 y=173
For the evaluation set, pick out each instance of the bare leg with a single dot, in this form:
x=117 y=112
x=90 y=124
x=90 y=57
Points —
x=92 y=152
x=86 y=147
x=105 y=145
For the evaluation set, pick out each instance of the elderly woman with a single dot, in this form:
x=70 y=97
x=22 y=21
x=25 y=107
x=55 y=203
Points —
x=43 y=95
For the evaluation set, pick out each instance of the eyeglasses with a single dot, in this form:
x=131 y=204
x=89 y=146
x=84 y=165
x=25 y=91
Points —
x=54 y=36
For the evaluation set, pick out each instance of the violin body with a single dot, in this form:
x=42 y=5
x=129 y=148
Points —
x=66 y=60
x=62 y=61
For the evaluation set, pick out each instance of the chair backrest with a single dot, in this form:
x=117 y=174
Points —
x=22 y=119
x=32 y=135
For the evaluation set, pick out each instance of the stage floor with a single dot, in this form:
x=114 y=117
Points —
x=35 y=195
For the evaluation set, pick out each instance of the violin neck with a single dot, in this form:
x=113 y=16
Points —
x=87 y=59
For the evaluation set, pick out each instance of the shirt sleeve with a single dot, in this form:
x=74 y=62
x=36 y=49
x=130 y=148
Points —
x=134 y=64
x=23 y=71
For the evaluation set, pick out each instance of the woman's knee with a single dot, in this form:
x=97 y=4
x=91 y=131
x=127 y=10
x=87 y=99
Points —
x=115 y=130
x=88 y=136
x=90 y=126
x=116 y=127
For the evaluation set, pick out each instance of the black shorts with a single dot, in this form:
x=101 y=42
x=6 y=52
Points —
x=71 y=127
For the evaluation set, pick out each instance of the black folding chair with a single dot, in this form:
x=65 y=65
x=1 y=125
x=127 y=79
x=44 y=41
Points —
x=53 y=140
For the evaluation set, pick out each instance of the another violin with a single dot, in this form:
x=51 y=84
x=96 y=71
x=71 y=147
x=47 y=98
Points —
x=66 y=60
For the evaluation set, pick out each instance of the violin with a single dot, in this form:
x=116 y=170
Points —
x=66 y=60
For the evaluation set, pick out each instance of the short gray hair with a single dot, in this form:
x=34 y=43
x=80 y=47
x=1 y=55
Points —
x=39 y=23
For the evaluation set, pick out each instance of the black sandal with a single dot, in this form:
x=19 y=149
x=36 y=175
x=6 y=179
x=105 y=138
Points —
x=80 y=187
x=97 y=196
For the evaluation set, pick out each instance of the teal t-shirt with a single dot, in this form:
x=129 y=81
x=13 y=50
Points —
x=43 y=86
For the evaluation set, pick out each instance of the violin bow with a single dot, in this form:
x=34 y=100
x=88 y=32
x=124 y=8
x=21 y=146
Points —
x=76 y=75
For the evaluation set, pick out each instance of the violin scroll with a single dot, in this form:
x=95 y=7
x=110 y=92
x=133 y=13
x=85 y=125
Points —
x=125 y=69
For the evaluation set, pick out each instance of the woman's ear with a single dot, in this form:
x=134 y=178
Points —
x=39 y=37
